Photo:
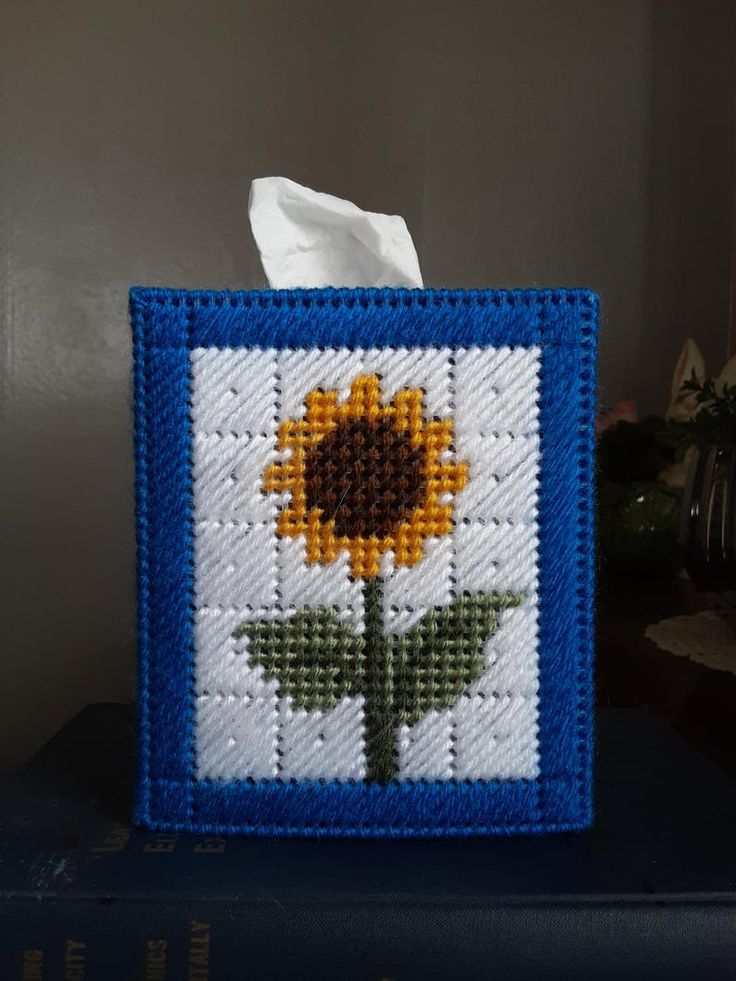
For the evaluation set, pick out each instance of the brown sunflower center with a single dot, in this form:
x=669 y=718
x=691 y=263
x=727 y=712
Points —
x=367 y=476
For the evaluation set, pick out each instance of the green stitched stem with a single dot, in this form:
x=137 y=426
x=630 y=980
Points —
x=380 y=733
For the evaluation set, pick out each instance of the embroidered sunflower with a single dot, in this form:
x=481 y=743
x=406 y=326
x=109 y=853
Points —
x=365 y=477
x=369 y=478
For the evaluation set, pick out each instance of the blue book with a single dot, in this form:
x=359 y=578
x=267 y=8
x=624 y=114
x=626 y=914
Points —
x=649 y=892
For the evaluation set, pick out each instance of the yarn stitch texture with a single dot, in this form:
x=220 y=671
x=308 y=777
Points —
x=365 y=578
x=266 y=568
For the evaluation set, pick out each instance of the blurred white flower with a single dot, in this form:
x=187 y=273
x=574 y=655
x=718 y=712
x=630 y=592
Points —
x=726 y=377
x=689 y=363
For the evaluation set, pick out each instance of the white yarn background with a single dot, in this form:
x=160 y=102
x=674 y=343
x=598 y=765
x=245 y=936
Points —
x=242 y=570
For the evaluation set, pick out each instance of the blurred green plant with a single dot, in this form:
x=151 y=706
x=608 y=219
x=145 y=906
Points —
x=714 y=419
x=637 y=516
x=642 y=466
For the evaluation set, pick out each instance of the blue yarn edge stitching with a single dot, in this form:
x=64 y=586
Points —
x=167 y=324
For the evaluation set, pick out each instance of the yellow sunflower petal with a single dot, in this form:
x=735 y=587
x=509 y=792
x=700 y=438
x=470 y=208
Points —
x=437 y=436
x=438 y=521
x=431 y=521
x=444 y=478
x=322 y=408
x=290 y=433
x=298 y=433
x=278 y=477
x=364 y=401
x=365 y=556
x=322 y=544
x=408 y=544
x=408 y=405
x=291 y=523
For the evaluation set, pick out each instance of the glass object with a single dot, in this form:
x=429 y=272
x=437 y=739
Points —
x=708 y=522
x=637 y=527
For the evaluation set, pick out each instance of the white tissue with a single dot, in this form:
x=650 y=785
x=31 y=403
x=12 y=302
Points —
x=307 y=238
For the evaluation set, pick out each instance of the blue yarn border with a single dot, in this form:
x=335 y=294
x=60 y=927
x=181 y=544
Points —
x=167 y=324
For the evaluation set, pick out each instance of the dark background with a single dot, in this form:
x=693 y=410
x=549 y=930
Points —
x=525 y=143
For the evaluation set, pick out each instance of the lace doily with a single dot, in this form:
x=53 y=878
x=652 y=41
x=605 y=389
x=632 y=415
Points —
x=705 y=638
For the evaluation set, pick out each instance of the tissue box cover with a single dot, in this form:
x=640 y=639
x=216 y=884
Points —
x=365 y=560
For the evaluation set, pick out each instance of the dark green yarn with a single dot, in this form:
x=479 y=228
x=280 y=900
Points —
x=442 y=654
x=315 y=658
x=318 y=660
x=379 y=710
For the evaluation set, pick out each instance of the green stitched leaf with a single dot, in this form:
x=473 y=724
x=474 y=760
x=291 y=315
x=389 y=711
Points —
x=435 y=661
x=315 y=658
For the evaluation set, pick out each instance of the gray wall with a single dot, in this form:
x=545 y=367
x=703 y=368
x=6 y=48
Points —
x=525 y=142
